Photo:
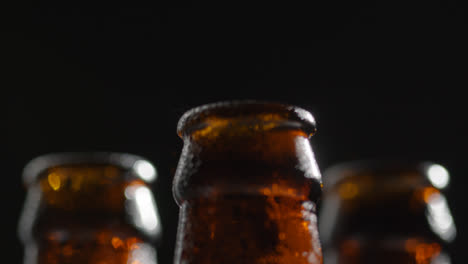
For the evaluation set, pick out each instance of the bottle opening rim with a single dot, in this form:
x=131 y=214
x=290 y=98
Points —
x=194 y=118
x=140 y=166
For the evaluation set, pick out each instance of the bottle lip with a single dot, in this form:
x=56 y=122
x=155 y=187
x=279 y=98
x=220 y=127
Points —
x=334 y=174
x=140 y=166
x=192 y=119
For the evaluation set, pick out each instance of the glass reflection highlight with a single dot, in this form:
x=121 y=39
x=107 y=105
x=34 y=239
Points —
x=306 y=158
x=439 y=217
x=145 y=170
x=438 y=176
x=442 y=258
x=143 y=206
x=305 y=116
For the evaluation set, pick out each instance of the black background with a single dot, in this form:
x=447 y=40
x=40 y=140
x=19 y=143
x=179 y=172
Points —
x=383 y=79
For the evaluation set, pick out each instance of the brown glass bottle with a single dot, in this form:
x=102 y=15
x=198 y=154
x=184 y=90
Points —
x=94 y=208
x=246 y=184
x=385 y=212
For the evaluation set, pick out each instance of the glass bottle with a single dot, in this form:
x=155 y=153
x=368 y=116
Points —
x=247 y=184
x=93 y=208
x=385 y=212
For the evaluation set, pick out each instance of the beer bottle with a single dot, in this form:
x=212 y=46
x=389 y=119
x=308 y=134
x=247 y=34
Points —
x=385 y=212
x=93 y=208
x=247 y=184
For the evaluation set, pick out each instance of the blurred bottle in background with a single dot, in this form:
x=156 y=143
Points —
x=247 y=185
x=385 y=212
x=93 y=208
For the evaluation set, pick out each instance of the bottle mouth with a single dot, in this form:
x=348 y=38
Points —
x=247 y=110
x=139 y=166
x=428 y=173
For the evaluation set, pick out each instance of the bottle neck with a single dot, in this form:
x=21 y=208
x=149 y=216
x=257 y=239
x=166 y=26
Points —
x=89 y=214
x=245 y=183
x=248 y=229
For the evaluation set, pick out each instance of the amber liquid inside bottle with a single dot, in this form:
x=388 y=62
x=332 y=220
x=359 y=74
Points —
x=249 y=229
x=80 y=214
x=243 y=192
x=409 y=250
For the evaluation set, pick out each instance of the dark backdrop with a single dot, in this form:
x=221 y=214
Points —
x=380 y=77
